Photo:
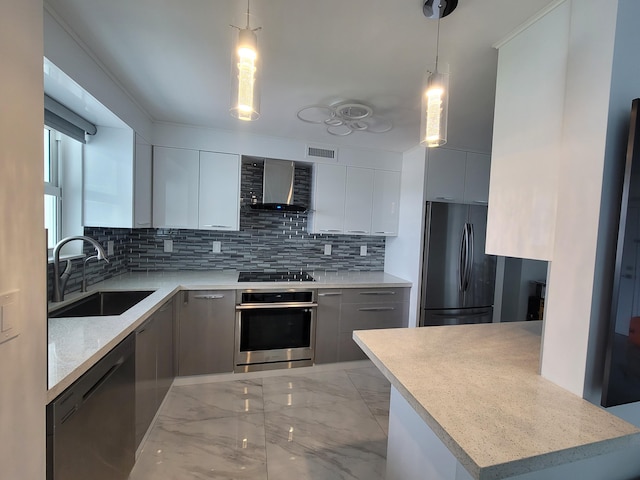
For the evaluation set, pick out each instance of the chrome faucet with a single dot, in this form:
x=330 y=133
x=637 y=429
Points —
x=60 y=281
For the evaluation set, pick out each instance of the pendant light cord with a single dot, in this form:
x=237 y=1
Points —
x=437 y=43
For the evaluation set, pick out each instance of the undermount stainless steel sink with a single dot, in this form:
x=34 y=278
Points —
x=102 y=303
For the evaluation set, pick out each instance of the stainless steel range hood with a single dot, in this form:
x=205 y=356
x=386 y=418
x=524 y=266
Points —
x=277 y=187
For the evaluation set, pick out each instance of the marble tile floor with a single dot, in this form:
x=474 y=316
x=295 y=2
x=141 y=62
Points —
x=316 y=423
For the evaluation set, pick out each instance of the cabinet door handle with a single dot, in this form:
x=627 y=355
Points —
x=357 y=231
x=217 y=226
x=387 y=292
x=143 y=223
x=331 y=230
x=329 y=294
x=444 y=198
x=165 y=307
x=481 y=202
x=383 y=233
x=209 y=297
x=376 y=309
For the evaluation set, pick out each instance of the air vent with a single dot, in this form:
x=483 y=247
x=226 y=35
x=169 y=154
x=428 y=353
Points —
x=322 y=152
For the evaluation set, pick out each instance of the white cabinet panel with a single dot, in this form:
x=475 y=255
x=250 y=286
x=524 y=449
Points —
x=386 y=203
x=142 y=185
x=358 y=201
x=476 y=178
x=175 y=187
x=527 y=137
x=446 y=174
x=108 y=178
x=329 y=189
x=219 y=198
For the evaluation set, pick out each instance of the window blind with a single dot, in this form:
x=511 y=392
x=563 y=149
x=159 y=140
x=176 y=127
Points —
x=60 y=118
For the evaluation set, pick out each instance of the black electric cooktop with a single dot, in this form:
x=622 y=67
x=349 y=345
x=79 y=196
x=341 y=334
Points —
x=296 y=276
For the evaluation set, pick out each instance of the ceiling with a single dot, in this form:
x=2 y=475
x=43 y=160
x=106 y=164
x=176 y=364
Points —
x=173 y=57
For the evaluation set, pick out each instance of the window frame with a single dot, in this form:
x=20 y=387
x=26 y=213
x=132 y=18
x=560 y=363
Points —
x=53 y=187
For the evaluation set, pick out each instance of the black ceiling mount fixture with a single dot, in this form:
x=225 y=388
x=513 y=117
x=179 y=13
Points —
x=438 y=8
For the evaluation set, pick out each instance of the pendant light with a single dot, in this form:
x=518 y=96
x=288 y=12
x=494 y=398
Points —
x=245 y=92
x=435 y=91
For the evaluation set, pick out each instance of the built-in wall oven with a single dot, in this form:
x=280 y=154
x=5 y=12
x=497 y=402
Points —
x=275 y=328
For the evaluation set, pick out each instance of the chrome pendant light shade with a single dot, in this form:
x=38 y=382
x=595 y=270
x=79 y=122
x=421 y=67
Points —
x=245 y=85
x=435 y=89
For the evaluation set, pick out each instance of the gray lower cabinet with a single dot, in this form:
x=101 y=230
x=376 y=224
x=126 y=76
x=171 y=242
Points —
x=340 y=312
x=154 y=365
x=206 y=332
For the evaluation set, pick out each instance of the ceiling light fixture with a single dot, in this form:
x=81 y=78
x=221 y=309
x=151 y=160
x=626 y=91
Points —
x=344 y=118
x=435 y=96
x=245 y=92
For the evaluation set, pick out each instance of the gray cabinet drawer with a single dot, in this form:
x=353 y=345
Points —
x=375 y=295
x=364 y=316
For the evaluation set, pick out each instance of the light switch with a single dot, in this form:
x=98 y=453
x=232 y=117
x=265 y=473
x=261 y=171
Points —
x=110 y=247
x=216 y=247
x=9 y=318
x=363 y=250
x=168 y=246
x=327 y=249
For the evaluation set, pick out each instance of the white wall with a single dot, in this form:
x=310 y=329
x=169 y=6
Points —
x=73 y=59
x=403 y=254
x=601 y=82
x=22 y=241
x=215 y=140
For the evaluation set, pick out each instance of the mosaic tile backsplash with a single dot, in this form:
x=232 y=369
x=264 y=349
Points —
x=267 y=241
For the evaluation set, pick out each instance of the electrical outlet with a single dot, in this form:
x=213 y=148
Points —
x=363 y=250
x=216 y=247
x=110 y=247
x=327 y=249
x=168 y=246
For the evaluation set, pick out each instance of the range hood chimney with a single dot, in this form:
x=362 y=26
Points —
x=277 y=187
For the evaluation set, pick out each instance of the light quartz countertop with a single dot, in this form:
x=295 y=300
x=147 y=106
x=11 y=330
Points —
x=76 y=344
x=478 y=388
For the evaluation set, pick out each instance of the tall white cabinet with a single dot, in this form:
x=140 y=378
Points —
x=527 y=135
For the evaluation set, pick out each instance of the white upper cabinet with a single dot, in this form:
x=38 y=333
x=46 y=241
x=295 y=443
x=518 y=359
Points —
x=142 y=184
x=527 y=138
x=476 y=178
x=175 y=187
x=354 y=201
x=386 y=203
x=329 y=189
x=116 y=180
x=458 y=176
x=219 y=202
x=445 y=175
x=358 y=201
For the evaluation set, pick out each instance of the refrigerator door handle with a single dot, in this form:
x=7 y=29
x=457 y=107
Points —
x=469 y=267
x=462 y=259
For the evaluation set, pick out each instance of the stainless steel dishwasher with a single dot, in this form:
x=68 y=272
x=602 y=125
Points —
x=90 y=426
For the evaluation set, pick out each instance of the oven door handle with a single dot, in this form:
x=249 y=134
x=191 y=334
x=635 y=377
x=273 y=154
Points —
x=265 y=306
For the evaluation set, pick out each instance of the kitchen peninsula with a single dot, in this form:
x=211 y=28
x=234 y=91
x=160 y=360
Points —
x=467 y=402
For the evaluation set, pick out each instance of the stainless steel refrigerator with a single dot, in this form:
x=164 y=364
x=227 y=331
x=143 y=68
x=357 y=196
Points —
x=458 y=278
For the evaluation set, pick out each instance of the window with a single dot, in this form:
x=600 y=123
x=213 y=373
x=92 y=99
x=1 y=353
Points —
x=62 y=189
x=52 y=188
